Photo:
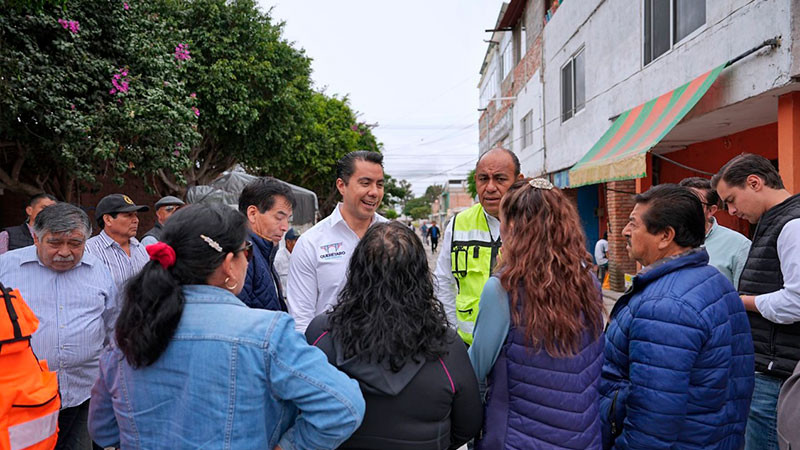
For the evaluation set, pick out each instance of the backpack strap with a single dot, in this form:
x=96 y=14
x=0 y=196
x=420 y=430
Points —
x=12 y=314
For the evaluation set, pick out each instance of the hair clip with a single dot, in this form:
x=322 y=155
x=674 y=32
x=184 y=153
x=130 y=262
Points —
x=211 y=243
x=541 y=183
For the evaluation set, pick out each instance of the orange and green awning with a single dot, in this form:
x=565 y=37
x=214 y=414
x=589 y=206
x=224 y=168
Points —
x=622 y=151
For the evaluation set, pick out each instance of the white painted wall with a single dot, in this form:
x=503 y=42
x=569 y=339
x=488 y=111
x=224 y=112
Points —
x=529 y=99
x=612 y=33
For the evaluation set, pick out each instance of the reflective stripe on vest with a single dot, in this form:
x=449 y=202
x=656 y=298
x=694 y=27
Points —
x=26 y=434
x=473 y=252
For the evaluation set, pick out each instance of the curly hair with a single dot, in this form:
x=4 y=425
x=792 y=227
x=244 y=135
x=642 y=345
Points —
x=544 y=256
x=387 y=309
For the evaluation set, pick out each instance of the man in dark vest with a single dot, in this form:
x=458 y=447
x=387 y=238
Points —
x=752 y=189
x=165 y=208
x=20 y=236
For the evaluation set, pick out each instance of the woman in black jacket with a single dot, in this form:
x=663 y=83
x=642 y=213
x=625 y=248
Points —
x=390 y=333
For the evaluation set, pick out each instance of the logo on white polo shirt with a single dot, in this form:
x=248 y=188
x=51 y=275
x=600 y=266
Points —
x=331 y=251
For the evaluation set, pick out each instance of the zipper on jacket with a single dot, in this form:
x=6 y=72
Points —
x=612 y=414
x=772 y=350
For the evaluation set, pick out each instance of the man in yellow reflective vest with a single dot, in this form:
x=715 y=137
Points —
x=472 y=242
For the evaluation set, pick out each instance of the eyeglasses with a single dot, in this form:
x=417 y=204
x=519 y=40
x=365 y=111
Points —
x=172 y=208
x=247 y=249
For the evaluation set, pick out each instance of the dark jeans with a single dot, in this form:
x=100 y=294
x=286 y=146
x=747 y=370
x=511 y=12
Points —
x=434 y=244
x=601 y=272
x=73 y=429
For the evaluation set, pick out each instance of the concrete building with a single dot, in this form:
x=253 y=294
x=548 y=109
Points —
x=642 y=92
x=454 y=199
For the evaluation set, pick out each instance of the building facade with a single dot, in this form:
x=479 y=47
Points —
x=640 y=92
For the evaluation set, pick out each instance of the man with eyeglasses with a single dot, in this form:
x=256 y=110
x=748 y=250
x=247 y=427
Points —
x=727 y=249
x=164 y=209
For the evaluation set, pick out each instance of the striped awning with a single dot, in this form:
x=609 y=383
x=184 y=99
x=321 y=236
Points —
x=621 y=154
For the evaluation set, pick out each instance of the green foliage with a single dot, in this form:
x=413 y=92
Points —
x=433 y=192
x=418 y=208
x=59 y=123
x=471 y=188
x=391 y=214
x=242 y=95
x=395 y=192
x=330 y=131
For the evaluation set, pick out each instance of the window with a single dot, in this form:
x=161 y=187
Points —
x=573 y=86
x=506 y=61
x=666 y=22
x=526 y=125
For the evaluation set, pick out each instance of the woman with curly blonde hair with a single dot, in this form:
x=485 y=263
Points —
x=538 y=335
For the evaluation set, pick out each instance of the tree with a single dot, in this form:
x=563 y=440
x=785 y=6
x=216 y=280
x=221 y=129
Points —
x=433 y=192
x=331 y=131
x=418 y=208
x=395 y=193
x=253 y=90
x=471 y=187
x=86 y=89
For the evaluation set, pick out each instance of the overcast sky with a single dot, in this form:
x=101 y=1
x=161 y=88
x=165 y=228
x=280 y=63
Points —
x=410 y=66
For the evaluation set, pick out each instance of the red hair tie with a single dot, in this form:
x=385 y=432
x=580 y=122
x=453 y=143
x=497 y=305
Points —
x=162 y=253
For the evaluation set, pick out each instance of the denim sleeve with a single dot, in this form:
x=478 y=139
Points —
x=330 y=404
x=103 y=427
x=491 y=328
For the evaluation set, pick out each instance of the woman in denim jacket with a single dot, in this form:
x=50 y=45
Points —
x=194 y=367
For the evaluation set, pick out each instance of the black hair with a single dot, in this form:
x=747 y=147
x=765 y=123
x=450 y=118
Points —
x=101 y=224
x=39 y=197
x=736 y=171
x=261 y=193
x=153 y=302
x=346 y=166
x=704 y=184
x=676 y=207
x=513 y=156
x=387 y=310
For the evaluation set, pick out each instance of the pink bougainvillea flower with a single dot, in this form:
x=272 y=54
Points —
x=193 y=95
x=196 y=111
x=119 y=82
x=74 y=26
x=125 y=6
x=176 y=153
x=63 y=23
x=178 y=144
x=354 y=127
x=182 y=52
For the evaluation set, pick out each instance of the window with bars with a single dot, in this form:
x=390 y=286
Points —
x=667 y=22
x=573 y=86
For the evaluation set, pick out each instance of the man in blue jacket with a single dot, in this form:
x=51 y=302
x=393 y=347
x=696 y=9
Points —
x=679 y=354
x=267 y=203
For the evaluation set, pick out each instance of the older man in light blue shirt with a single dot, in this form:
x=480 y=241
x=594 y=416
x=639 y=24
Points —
x=727 y=249
x=74 y=298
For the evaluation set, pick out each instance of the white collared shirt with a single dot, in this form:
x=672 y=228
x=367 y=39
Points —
x=318 y=267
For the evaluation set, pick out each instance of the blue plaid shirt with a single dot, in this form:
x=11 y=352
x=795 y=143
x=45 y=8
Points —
x=76 y=311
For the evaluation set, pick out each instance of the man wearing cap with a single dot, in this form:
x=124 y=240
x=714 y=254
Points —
x=164 y=209
x=282 y=257
x=116 y=245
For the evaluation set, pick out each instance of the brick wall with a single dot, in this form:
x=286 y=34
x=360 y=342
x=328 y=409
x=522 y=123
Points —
x=619 y=203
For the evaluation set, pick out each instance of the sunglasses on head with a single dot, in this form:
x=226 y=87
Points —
x=172 y=208
x=247 y=249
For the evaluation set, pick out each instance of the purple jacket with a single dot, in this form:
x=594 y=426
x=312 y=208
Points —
x=537 y=401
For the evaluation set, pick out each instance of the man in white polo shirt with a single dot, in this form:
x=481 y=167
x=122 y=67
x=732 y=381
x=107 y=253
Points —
x=319 y=261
